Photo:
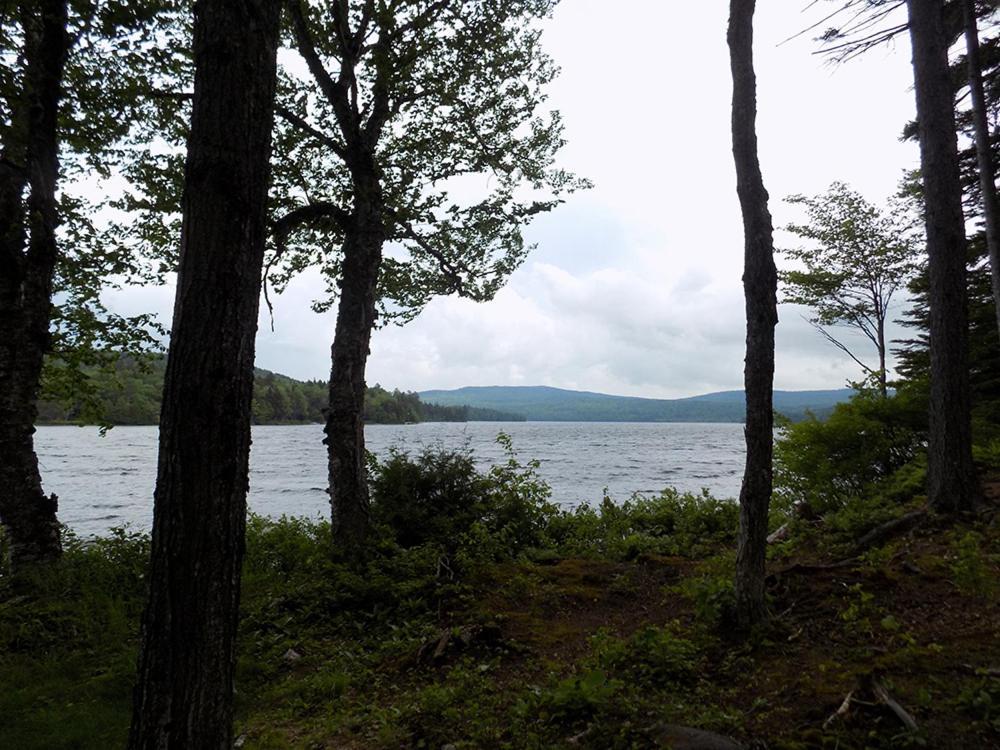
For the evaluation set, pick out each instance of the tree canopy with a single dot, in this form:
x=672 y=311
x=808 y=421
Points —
x=856 y=260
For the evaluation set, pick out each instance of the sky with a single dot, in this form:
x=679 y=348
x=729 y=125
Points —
x=634 y=287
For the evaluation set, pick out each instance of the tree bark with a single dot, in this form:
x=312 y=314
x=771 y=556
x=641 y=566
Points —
x=28 y=253
x=760 y=288
x=950 y=475
x=345 y=436
x=984 y=153
x=184 y=694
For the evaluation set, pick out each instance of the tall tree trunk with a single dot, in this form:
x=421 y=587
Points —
x=345 y=436
x=984 y=153
x=28 y=253
x=184 y=694
x=760 y=287
x=950 y=478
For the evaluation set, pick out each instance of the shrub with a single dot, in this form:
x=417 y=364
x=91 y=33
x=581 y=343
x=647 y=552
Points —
x=440 y=498
x=855 y=453
x=652 y=655
x=671 y=523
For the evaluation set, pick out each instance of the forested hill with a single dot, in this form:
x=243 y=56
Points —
x=542 y=403
x=278 y=399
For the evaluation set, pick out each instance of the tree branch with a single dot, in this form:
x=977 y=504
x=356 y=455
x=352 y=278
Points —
x=306 y=214
x=447 y=268
x=826 y=334
x=334 y=91
x=300 y=122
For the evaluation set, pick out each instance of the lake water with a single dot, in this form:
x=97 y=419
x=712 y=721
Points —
x=106 y=482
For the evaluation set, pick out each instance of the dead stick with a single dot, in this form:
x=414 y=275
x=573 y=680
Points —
x=883 y=695
x=845 y=707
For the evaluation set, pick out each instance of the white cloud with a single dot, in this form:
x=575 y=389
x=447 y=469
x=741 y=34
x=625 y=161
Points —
x=635 y=286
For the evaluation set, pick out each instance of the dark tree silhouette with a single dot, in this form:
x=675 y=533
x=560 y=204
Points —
x=185 y=685
x=760 y=287
x=950 y=475
x=984 y=153
x=29 y=166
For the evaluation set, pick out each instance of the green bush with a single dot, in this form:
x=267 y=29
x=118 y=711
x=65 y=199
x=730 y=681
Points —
x=440 y=498
x=867 y=446
x=971 y=566
x=652 y=655
x=433 y=497
x=671 y=523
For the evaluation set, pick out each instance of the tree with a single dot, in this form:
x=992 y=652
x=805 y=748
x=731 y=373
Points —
x=66 y=101
x=984 y=153
x=859 y=258
x=913 y=353
x=760 y=288
x=869 y=23
x=29 y=170
x=184 y=694
x=401 y=100
x=950 y=475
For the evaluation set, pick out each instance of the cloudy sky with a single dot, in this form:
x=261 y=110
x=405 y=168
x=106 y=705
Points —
x=634 y=287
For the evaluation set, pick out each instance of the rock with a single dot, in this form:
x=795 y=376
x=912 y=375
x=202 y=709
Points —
x=685 y=738
x=291 y=656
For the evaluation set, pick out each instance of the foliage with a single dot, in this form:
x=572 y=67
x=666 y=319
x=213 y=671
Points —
x=981 y=699
x=115 y=53
x=650 y=656
x=338 y=654
x=439 y=90
x=671 y=523
x=857 y=259
x=439 y=497
x=913 y=353
x=971 y=567
x=862 y=449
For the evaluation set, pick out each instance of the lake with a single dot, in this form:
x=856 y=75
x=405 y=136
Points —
x=106 y=482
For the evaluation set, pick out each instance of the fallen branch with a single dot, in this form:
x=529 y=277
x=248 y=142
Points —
x=808 y=568
x=779 y=535
x=889 y=529
x=887 y=700
x=841 y=712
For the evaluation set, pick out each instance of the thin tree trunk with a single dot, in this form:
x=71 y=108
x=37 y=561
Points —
x=950 y=478
x=184 y=694
x=984 y=154
x=883 y=385
x=345 y=437
x=760 y=288
x=28 y=253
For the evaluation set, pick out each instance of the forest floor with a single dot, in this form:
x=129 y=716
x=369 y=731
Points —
x=559 y=652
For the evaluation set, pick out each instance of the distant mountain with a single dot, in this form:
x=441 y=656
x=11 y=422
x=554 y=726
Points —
x=542 y=404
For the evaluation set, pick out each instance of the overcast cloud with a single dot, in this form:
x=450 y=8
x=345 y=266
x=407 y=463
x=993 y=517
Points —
x=635 y=285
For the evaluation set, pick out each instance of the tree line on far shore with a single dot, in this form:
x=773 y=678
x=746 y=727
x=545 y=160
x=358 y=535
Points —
x=131 y=395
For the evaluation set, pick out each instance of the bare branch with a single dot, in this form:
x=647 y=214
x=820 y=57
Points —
x=826 y=334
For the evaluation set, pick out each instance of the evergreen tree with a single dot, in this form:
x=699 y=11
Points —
x=950 y=476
